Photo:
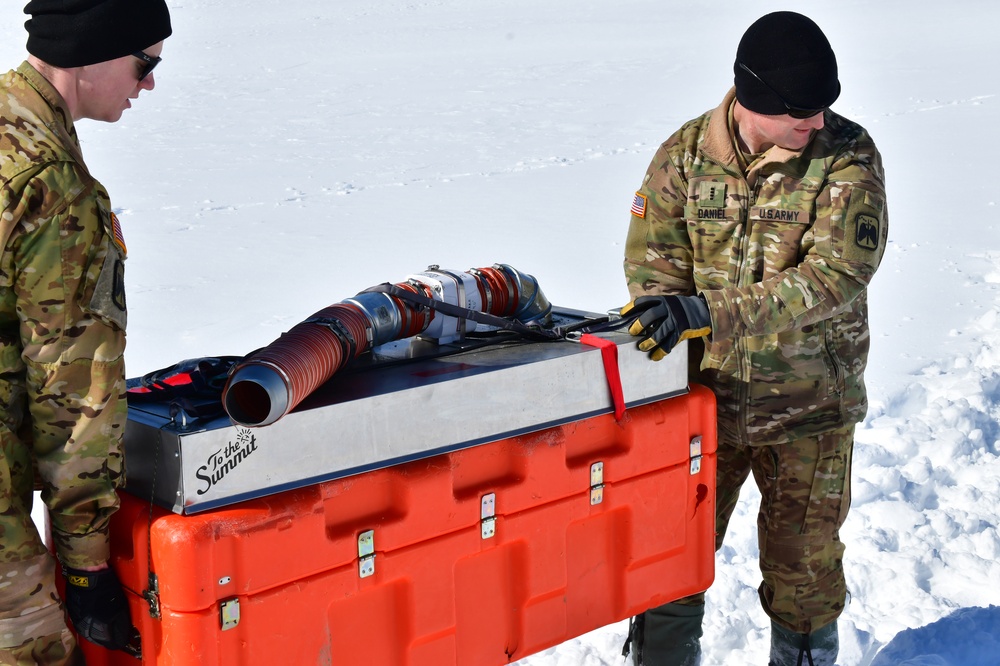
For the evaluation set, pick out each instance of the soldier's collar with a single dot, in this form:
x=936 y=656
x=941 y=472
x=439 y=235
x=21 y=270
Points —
x=60 y=114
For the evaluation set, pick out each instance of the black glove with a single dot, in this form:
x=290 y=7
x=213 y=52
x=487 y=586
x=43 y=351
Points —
x=666 y=320
x=96 y=604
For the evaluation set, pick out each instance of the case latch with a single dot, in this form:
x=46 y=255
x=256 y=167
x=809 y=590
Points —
x=152 y=595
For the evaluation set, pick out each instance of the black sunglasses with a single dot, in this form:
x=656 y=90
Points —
x=153 y=61
x=793 y=111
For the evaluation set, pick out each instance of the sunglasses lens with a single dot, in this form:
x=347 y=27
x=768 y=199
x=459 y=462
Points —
x=802 y=114
x=151 y=63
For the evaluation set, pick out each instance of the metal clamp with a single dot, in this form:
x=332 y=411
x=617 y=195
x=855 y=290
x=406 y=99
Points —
x=366 y=554
x=596 y=483
x=152 y=595
x=695 y=450
x=487 y=514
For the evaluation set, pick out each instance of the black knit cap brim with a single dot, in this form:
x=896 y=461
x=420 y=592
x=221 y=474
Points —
x=789 y=53
x=74 y=33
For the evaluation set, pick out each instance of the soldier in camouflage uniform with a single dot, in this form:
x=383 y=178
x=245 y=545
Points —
x=62 y=323
x=755 y=234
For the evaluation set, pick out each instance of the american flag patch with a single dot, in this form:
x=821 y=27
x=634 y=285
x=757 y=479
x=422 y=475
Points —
x=639 y=205
x=116 y=227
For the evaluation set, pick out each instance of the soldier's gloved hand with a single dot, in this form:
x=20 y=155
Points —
x=97 y=606
x=666 y=320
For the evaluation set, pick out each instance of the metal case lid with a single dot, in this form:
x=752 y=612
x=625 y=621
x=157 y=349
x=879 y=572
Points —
x=406 y=400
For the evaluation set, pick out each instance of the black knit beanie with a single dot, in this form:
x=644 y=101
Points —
x=74 y=33
x=790 y=54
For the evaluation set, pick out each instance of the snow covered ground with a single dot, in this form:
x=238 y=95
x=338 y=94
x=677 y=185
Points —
x=295 y=153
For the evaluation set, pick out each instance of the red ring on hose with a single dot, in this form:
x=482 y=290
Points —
x=413 y=319
x=502 y=289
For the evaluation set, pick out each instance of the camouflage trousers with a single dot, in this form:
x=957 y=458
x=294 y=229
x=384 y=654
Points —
x=805 y=497
x=32 y=624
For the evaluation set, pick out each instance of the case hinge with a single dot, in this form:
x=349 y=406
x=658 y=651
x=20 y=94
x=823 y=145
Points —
x=596 y=483
x=488 y=515
x=229 y=613
x=696 y=455
x=366 y=554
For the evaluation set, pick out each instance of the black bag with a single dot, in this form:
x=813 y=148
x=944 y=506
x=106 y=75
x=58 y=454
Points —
x=194 y=386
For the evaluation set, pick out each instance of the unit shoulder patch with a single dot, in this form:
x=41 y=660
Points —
x=866 y=232
x=864 y=222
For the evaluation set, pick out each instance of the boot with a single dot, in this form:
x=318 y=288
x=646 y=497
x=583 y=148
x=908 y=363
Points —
x=669 y=635
x=818 y=648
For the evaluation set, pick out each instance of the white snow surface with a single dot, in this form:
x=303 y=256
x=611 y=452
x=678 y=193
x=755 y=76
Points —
x=294 y=153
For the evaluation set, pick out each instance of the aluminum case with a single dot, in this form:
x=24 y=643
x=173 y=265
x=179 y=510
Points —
x=406 y=400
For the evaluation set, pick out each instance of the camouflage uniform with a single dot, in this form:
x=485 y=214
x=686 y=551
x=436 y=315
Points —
x=782 y=249
x=62 y=339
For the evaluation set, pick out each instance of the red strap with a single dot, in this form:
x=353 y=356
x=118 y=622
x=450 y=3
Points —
x=609 y=353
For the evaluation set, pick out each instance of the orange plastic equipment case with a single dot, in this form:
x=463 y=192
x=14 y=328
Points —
x=475 y=557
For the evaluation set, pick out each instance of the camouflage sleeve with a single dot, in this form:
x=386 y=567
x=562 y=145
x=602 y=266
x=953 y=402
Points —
x=849 y=231
x=658 y=257
x=70 y=303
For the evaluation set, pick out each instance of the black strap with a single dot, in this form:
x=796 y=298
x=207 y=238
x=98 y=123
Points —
x=635 y=638
x=509 y=324
x=807 y=650
x=531 y=331
x=339 y=330
x=605 y=324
